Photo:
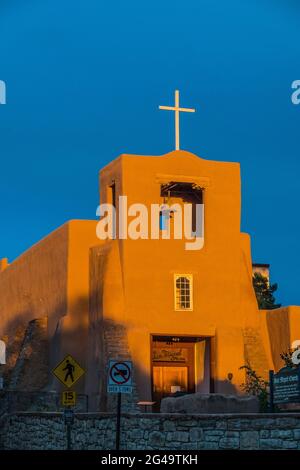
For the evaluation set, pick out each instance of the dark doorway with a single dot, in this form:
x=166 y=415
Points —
x=180 y=364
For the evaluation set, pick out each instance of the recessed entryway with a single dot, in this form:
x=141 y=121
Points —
x=180 y=364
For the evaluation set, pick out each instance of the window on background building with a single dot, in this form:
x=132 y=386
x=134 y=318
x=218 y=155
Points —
x=183 y=284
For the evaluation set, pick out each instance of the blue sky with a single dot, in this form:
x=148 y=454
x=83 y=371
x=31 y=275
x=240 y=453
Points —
x=84 y=79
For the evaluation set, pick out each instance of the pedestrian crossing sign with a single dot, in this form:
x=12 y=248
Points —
x=68 y=371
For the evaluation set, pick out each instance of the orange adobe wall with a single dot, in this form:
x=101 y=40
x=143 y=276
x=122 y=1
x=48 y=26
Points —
x=141 y=272
x=51 y=280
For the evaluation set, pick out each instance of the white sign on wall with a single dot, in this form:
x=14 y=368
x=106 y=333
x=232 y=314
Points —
x=2 y=352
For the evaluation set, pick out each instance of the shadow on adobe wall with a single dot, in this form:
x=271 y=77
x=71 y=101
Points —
x=33 y=351
x=34 y=348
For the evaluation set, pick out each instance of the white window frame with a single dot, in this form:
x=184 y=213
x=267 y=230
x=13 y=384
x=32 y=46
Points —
x=190 y=278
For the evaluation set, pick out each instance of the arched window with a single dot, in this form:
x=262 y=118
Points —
x=183 y=284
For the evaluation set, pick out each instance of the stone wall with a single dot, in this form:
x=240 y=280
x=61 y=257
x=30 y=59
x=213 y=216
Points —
x=116 y=348
x=152 y=431
x=31 y=368
x=108 y=339
x=255 y=354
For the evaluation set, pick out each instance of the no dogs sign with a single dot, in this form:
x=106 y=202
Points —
x=119 y=377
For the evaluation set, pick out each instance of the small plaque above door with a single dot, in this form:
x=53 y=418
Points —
x=169 y=355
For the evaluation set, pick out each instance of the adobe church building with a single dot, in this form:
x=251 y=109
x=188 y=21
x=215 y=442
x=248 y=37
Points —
x=187 y=319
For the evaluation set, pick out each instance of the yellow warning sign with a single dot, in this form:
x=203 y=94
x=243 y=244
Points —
x=68 y=371
x=69 y=398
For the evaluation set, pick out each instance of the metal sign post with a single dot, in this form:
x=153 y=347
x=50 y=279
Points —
x=69 y=420
x=271 y=378
x=119 y=381
x=118 y=424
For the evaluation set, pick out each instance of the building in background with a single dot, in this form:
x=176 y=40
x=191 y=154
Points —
x=187 y=319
